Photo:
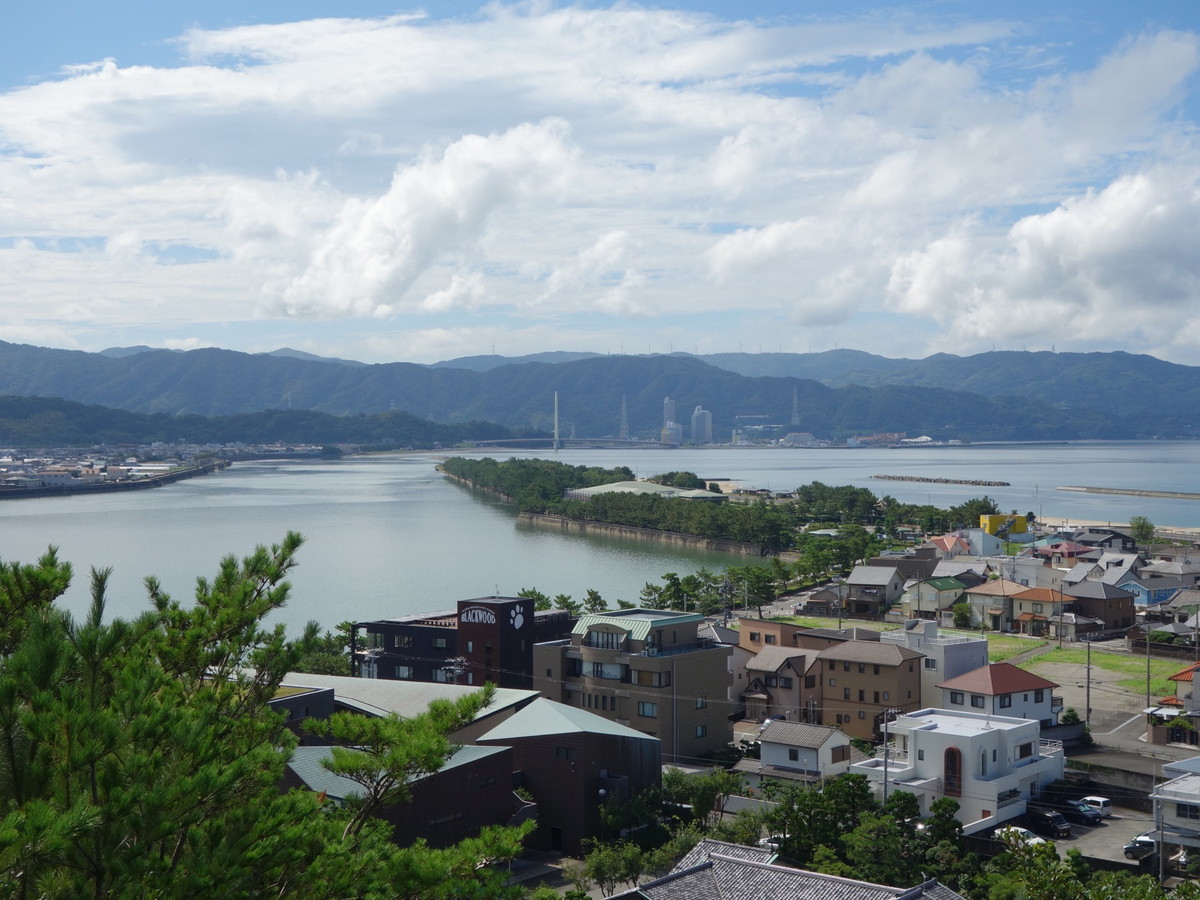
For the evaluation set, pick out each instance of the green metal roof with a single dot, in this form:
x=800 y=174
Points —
x=638 y=622
x=946 y=584
x=546 y=717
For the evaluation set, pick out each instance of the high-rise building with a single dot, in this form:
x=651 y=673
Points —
x=701 y=426
x=668 y=412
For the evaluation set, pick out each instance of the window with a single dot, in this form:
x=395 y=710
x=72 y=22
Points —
x=470 y=646
x=441 y=676
x=439 y=643
x=832 y=666
x=876 y=670
x=785 y=682
x=701 y=731
x=920 y=754
x=862 y=714
x=956 y=698
x=1037 y=607
x=771 y=681
x=931 y=663
x=605 y=640
x=565 y=753
x=1187 y=811
x=977 y=701
x=862 y=696
x=886 y=695
x=875 y=698
x=647 y=710
x=701 y=703
x=1039 y=696
x=1024 y=751
x=846 y=667
x=403 y=641
x=770 y=639
x=608 y=670
x=404 y=672
x=793 y=754
x=549 y=673
x=1005 y=701
x=755 y=637
x=648 y=678
x=845 y=693
x=862 y=668
x=810 y=681
x=833 y=682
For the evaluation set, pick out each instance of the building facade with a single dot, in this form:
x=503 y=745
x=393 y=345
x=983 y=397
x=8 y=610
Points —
x=647 y=669
x=488 y=639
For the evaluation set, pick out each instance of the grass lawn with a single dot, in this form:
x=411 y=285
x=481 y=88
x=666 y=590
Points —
x=1133 y=667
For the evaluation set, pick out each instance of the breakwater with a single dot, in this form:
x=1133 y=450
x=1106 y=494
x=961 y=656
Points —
x=583 y=526
x=1175 y=495
x=921 y=479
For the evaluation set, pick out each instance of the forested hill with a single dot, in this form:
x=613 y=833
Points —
x=216 y=383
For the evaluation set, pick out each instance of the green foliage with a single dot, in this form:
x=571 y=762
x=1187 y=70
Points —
x=144 y=754
x=687 y=481
x=1141 y=530
x=962 y=614
x=328 y=654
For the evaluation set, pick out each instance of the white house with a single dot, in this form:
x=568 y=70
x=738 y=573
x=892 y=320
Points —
x=1002 y=689
x=991 y=765
x=1177 y=804
x=946 y=656
x=796 y=751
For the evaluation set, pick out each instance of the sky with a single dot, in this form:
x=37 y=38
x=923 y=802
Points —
x=394 y=184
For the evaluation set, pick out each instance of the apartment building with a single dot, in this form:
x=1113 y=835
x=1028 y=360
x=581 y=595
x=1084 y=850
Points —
x=648 y=669
x=858 y=681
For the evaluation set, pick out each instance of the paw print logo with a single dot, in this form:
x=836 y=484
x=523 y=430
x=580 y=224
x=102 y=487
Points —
x=516 y=618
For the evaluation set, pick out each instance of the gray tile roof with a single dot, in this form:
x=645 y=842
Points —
x=714 y=870
x=798 y=734
x=772 y=659
x=380 y=696
x=878 y=575
x=886 y=654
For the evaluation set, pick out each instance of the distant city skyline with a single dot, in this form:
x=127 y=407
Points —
x=365 y=182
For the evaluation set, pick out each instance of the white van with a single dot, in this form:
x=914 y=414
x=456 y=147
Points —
x=1101 y=804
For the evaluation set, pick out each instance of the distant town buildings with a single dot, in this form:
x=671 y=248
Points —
x=702 y=430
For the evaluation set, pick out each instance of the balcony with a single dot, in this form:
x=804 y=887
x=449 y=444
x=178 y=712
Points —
x=1050 y=748
x=1008 y=798
x=894 y=754
x=677 y=649
x=1056 y=703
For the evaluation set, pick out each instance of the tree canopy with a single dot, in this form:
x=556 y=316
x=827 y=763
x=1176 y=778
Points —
x=142 y=755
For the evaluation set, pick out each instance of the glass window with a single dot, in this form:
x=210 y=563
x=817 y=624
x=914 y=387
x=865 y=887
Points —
x=793 y=754
x=404 y=672
x=931 y=663
x=956 y=698
x=977 y=701
x=701 y=703
x=1005 y=701
x=439 y=643
x=647 y=709
x=770 y=638
x=701 y=731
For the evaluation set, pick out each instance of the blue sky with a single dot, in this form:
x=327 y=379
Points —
x=375 y=182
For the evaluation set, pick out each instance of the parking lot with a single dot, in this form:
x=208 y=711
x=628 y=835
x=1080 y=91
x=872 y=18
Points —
x=1106 y=840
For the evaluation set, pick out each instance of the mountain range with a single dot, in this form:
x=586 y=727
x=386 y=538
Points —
x=835 y=394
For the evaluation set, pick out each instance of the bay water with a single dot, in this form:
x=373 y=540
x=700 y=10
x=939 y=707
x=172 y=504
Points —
x=386 y=535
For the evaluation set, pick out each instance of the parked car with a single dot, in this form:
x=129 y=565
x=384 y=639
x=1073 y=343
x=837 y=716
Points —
x=1078 y=811
x=1049 y=822
x=768 y=720
x=1102 y=804
x=1015 y=834
x=1141 y=846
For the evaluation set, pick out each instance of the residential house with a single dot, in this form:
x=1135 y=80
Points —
x=1151 y=591
x=735 y=664
x=858 y=681
x=946 y=655
x=969 y=571
x=710 y=868
x=914 y=564
x=797 y=752
x=824 y=638
x=870 y=590
x=1177 y=805
x=1059 y=552
x=1002 y=689
x=948 y=546
x=990 y=765
x=991 y=604
x=1033 y=608
x=1175 y=719
x=1110 y=604
x=927 y=598
x=1026 y=569
x=573 y=762
x=774 y=681
x=1184 y=569
x=648 y=669
x=1105 y=538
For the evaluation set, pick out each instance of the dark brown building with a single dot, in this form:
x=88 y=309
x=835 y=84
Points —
x=485 y=639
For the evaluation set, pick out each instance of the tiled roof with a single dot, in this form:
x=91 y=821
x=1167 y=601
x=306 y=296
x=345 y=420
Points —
x=772 y=659
x=1185 y=674
x=717 y=871
x=1000 y=587
x=784 y=773
x=878 y=575
x=798 y=734
x=884 y=654
x=1096 y=589
x=996 y=679
x=1039 y=595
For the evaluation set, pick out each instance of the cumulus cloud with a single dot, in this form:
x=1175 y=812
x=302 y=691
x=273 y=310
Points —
x=534 y=173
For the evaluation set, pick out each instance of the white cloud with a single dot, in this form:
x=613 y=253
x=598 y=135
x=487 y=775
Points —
x=627 y=173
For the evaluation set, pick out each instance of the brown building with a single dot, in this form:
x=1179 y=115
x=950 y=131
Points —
x=1110 y=604
x=482 y=640
x=573 y=763
x=648 y=669
x=857 y=681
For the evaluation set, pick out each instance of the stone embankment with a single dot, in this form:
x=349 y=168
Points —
x=973 y=482
x=1170 y=495
x=607 y=529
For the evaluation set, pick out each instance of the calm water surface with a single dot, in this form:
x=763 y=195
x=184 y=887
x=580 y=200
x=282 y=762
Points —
x=387 y=535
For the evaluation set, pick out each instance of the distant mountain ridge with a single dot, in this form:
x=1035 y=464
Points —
x=991 y=396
